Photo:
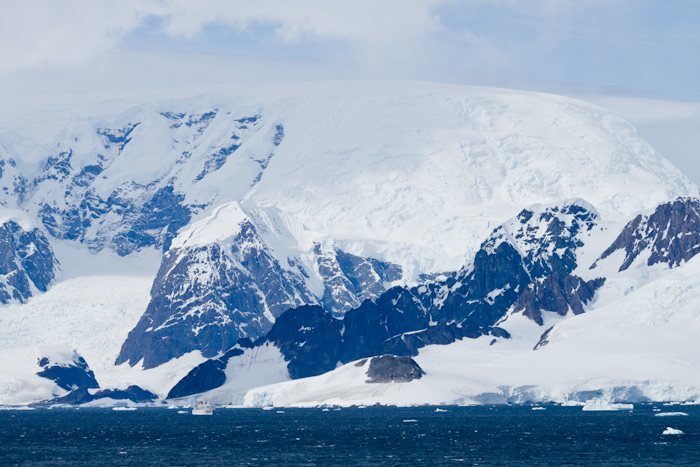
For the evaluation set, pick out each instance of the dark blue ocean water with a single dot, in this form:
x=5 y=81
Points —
x=496 y=435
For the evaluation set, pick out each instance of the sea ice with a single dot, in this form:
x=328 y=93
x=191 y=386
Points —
x=604 y=405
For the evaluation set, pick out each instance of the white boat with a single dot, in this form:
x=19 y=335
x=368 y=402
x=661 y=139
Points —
x=203 y=408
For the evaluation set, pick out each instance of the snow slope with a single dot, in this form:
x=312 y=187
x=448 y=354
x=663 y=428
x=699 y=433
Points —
x=20 y=382
x=411 y=173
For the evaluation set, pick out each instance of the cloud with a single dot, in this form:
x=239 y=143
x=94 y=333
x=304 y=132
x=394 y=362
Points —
x=639 y=44
x=39 y=32
x=354 y=20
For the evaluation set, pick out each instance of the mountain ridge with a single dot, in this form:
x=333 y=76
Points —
x=337 y=194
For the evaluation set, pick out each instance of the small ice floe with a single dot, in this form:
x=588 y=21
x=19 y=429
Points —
x=572 y=404
x=269 y=407
x=182 y=411
x=124 y=409
x=595 y=405
x=172 y=407
x=411 y=420
x=280 y=411
x=672 y=431
x=440 y=410
x=671 y=414
x=324 y=410
x=538 y=408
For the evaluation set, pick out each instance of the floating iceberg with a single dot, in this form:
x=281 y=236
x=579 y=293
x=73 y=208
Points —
x=604 y=405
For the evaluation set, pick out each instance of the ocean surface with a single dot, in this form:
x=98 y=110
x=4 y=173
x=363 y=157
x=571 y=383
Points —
x=485 y=436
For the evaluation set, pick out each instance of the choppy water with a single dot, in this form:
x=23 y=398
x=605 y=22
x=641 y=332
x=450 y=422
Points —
x=507 y=436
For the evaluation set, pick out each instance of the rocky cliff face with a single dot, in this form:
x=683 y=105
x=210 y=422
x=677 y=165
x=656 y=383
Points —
x=88 y=188
x=27 y=263
x=524 y=266
x=671 y=235
x=210 y=293
x=68 y=373
x=208 y=297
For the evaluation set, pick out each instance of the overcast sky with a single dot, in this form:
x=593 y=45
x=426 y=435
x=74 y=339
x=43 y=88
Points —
x=629 y=48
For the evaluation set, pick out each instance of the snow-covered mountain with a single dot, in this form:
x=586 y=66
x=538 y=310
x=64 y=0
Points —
x=27 y=262
x=523 y=272
x=635 y=343
x=404 y=214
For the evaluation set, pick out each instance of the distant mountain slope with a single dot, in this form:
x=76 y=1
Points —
x=410 y=173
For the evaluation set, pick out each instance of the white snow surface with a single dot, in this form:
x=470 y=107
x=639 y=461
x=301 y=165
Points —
x=19 y=382
x=259 y=366
x=221 y=225
x=604 y=405
x=409 y=172
x=92 y=310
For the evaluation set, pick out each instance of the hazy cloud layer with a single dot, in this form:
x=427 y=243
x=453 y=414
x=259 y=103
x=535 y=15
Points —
x=36 y=32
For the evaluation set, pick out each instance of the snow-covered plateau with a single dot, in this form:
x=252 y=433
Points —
x=268 y=245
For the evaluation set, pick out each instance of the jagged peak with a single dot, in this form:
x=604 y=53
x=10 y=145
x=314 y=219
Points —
x=670 y=234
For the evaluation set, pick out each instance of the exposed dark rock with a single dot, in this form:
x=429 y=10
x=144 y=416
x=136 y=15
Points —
x=350 y=280
x=543 y=339
x=81 y=395
x=57 y=167
x=77 y=396
x=25 y=258
x=393 y=369
x=556 y=294
x=671 y=233
x=215 y=161
x=371 y=325
x=148 y=215
x=132 y=393
x=309 y=338
x=550 y=238
x=134 y=215
x=206 y=299
x=279 y=135
x=68 y=377
x=516 y=269
x=208 y=375
x=118 y=137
